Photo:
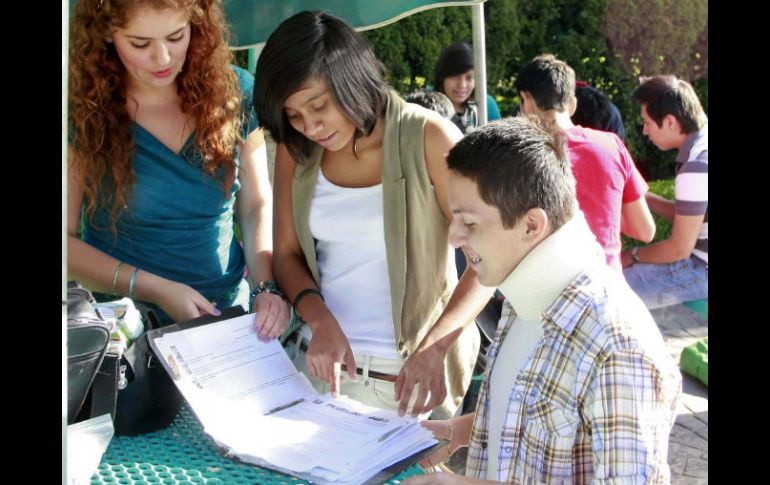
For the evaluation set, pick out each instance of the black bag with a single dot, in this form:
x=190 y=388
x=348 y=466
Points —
x=150 y=400
x=87 y=339
x=131 y=386
x=142 y=395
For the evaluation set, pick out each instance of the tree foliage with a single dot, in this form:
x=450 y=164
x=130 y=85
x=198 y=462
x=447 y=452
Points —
x=656 y=36
x=411 y=46
x=648 y=37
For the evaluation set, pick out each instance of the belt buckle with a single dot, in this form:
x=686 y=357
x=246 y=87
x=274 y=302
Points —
x=374 y=374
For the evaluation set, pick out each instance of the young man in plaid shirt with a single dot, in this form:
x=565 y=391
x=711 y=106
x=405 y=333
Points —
x=581 y=388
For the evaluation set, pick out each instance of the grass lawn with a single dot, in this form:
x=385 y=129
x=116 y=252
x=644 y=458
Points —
x=663 y=188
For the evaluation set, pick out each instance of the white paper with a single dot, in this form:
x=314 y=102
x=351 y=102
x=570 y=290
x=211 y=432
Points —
x=86 y=443
x=223 y=370
x=320 y=432
x=253 y=402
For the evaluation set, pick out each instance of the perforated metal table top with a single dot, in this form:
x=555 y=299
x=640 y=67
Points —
x=182 y=454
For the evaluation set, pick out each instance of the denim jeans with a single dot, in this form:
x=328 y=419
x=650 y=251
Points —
x=660 y=285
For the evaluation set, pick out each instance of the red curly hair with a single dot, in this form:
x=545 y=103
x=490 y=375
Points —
x=99 y=121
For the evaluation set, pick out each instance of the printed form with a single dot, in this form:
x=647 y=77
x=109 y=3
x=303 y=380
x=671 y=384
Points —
x=251 y=400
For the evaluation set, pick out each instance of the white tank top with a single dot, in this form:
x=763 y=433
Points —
x=349 y=229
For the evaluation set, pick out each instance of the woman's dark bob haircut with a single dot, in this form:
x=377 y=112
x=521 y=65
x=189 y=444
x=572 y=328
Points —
x=455 y=59
x=314 y=44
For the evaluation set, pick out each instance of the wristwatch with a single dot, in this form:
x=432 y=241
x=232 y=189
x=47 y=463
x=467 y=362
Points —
x=634 y=257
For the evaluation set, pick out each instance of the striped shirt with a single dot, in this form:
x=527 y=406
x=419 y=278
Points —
x=596 y=399
x=691 y=185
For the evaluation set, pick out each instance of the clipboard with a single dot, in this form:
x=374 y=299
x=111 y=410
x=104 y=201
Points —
x=151 y=335
x=396 y=468
x=237 y=311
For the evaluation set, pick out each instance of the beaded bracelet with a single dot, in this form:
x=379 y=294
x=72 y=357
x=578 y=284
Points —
x=266 y=286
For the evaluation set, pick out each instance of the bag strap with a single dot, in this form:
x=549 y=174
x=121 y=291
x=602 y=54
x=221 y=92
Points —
x=151 y=320
x=104 y=390
x=107 y=383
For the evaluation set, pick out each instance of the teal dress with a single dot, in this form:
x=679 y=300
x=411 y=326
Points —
x=178 y=223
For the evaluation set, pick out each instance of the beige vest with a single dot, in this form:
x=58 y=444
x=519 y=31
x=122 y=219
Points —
x=416 y=241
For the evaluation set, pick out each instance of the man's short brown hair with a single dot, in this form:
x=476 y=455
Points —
x=665 y=94
x=518 y=164
x=551 y=82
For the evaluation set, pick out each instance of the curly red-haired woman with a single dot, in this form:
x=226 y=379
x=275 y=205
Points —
x=164 y=153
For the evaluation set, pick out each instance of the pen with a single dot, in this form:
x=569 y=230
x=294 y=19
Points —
x=284 y=406
x=388 y=434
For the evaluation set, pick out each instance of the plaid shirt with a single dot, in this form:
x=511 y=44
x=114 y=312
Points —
x=596 y=399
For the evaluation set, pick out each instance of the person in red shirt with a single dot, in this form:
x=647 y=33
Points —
x=610 y=189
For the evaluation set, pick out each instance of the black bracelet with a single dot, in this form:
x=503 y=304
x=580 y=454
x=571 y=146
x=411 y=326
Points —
x=302 y=294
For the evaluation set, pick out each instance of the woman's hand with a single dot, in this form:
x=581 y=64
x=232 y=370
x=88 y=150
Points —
x=182 y=302
x=328 y=348
x=272 y=316
x=425 y=368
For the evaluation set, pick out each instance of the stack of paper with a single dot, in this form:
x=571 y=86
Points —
x=254 y=403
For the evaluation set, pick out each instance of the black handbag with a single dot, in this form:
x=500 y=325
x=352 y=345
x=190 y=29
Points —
x=87 y=339
x=150 y=400
x=130 y=385
x=135 y=388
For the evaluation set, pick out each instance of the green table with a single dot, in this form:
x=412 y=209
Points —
x=183 y=454
x=701 y=307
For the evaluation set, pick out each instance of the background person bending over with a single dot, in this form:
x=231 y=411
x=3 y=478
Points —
x=581 y=387
x=594 y=99
x=434 y=101
x=592 y=110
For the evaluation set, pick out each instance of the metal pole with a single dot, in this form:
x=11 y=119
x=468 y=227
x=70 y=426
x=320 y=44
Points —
x=252 y=60
x=254 y=53
x=480 y=61
x=65 y=14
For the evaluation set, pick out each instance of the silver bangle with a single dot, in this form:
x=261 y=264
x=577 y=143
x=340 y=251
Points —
x=115 y=278
x=132 y=283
